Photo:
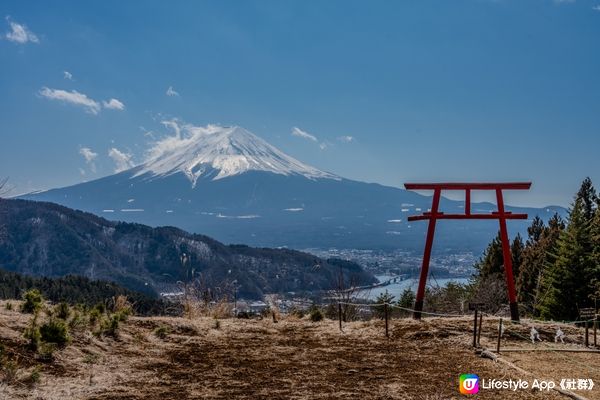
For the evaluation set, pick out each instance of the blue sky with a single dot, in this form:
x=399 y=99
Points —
x=427 y=90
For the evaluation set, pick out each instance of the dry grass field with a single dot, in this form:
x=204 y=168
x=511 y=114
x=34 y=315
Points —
x=293 y=358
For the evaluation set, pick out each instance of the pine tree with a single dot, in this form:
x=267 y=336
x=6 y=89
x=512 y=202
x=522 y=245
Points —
x=566 y=285
x=587 y=195
x=516 y=250
x=539 y=253
x=492 y=260
x=489 y=281
x=595 y=238
x=532 y=262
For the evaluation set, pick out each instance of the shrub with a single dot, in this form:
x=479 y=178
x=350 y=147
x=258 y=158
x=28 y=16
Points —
x=122 y=305
x=383 y=298
x=243 y=315
x=55 y=331
x=77 y=321
x=217 y=324
x=95 y=316
x=101 y=307
x=162 y=332
x=316 y=314
x=46 y=352
x=110 y=326
x=10 y=371
x=32 y=333
x=297 y=312
x=62 y=311
x=91 y=358
x=8 y=306
x=34 y=377
x=122 y=315
x=32 y=301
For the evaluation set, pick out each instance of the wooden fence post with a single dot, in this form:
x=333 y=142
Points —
x=586 y=333
x=595 y=327
x=499 y=336
x=340 y=314
x=385 y=310
x=479 y=331
x=475 y=329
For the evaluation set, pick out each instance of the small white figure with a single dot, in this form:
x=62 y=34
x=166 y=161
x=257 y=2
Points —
x=559 y=335
x=534 y=335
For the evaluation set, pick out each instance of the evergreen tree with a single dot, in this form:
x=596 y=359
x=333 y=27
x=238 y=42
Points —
x=489 y=284
x=516 y=250
x=536 y=230
x=588 y=197
x=382 y=299
x=538 y=254
x=407 y=298
x=492 y=260
x=567 y=283
x=595 y=238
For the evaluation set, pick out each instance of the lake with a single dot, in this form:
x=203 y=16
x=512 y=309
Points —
x=396 y=289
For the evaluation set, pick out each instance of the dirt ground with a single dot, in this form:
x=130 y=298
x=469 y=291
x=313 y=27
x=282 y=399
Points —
x=293 y=358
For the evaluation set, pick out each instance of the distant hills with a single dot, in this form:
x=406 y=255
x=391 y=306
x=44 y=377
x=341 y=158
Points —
x=228 y=183
x=46 y=239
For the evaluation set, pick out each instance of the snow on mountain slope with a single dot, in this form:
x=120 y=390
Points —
x=218 y=152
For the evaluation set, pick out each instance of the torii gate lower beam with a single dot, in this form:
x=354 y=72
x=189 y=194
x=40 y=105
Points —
x=501 y=215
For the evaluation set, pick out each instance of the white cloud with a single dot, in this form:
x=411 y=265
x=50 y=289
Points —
x=346 y=139
x=303 y=134
x=171 y=92
x=89 y=156
x=67 y=75
x=185 y=135
x=20 y=34
x=122 y=160
x=596 y=8
x=113 y=104
x=323 y=145
x=79 y=99
x=72 y=97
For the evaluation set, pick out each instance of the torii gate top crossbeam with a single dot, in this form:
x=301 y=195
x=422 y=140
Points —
x=465 y=186
x=468 y=187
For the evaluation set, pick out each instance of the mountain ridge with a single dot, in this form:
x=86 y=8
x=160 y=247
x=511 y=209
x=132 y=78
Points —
x=47 y=239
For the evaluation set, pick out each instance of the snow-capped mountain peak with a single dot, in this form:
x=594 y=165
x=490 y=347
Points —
x=219 y=152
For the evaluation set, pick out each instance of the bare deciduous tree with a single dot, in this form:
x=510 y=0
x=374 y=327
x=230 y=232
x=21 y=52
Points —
x=347 y=291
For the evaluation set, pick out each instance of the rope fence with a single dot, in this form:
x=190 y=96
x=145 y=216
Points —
x=505 y=327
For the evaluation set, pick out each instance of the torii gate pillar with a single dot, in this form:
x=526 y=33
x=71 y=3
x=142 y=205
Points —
x=501 y=215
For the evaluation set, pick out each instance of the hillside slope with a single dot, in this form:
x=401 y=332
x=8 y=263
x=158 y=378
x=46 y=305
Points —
x=50 y=240
x=259 y=359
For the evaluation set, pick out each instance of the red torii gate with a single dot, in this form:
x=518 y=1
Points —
x=501 y=215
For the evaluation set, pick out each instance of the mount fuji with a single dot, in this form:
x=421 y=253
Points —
x=230 y=184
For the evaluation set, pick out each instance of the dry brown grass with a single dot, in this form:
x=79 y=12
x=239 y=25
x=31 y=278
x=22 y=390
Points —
x=259 y=359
